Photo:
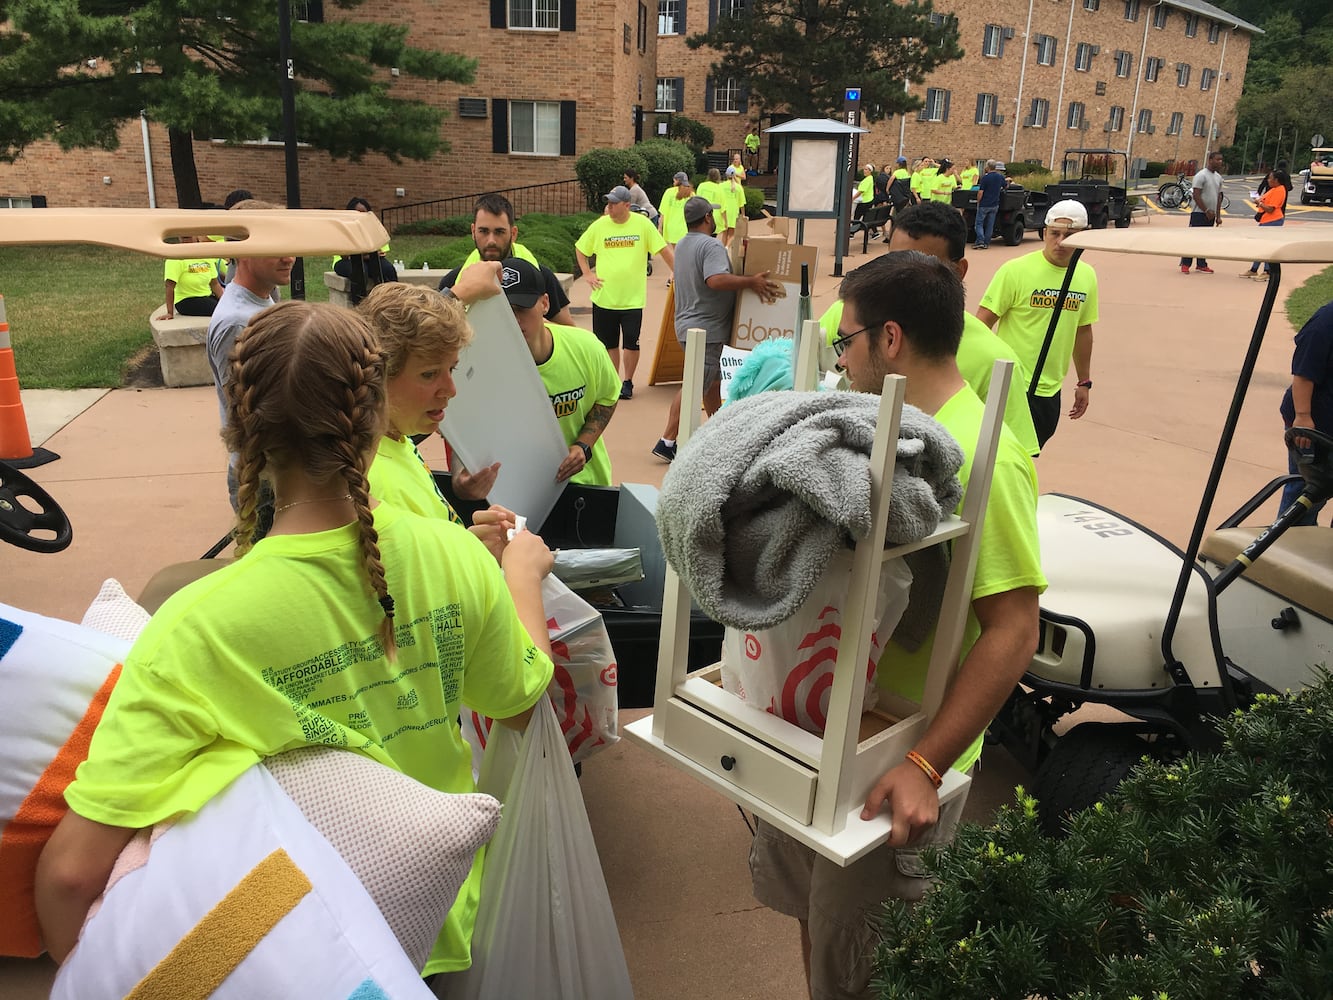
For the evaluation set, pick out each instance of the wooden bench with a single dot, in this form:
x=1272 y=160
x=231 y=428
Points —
x=182 y=347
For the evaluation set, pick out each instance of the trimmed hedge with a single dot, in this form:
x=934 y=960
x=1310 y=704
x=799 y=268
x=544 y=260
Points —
x=454 y=225
x=664 y=159
x=599 y=170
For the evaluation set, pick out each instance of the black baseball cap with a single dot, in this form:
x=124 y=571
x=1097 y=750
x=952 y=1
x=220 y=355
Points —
x=522 y=283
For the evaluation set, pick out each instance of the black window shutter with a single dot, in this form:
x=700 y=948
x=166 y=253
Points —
x=499 y=125
x=981 y=100
x=712 y=14
x=568 y=132
x=499 y=14
x=567 y=14
x=743 y=99
x=708 y=94
x=680 y=20
x=946 y=105
x=679 y=84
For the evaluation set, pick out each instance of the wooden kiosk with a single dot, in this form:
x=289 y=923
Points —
x=812 y=788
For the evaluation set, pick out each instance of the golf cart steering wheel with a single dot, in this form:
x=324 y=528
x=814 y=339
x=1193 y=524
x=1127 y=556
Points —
x=18 y=521
x=1315 y=464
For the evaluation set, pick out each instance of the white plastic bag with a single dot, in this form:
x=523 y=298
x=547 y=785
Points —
x=787 y=670
x=544 y=927
x=583 y=688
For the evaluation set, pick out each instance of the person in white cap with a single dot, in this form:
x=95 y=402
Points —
x=1018 y=307
x=622 y=241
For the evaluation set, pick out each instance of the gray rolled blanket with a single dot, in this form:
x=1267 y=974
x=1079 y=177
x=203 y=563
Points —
x=764 y=493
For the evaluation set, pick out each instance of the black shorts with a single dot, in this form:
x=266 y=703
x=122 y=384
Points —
x=610 y=324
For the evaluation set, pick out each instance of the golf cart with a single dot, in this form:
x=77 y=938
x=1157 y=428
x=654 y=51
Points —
x=1016 y=216
x=1173 y=638
x=1088 y=177
x=1317 y=182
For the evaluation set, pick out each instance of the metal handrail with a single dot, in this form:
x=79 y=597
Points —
x=556 y=197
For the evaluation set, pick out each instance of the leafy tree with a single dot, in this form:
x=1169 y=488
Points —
x=76 y=70
x=801 y=54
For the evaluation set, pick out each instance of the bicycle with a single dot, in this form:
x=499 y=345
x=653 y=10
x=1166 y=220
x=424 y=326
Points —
x=1178 y=194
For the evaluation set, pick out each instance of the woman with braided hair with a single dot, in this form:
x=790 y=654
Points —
x=351 y=624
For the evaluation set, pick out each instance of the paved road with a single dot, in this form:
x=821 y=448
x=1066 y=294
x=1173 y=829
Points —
x=1240 y=191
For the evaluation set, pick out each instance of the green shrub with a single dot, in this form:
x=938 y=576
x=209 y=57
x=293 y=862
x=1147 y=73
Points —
x=1153 y=168
x=754 y=202
x=553 y=250
x=565 y=227
x=1026 y=167
x=443 y=256
x=1208 y=879
x=665 y=158
x=694 y=134
x=599 y=170
x=455 y=225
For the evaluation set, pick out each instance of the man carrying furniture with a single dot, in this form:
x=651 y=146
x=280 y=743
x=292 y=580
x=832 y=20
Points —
x=903 y=314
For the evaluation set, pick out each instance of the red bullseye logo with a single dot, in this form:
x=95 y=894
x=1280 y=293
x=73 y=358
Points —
x=609 y=676
x=752 y=647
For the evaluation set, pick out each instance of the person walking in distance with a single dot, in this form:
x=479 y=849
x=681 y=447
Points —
x=1206 y=209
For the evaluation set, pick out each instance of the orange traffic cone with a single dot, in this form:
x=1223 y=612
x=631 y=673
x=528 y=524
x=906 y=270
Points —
x=15 y=445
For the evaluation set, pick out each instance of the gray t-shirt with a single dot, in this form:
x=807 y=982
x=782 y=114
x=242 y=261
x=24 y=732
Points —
x=234 y=310
x=698 y=258
x=1209 y=185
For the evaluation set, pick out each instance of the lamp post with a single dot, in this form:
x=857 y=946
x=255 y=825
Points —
x=287 y=85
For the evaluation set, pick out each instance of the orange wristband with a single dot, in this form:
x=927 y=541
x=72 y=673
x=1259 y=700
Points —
x=926 y=768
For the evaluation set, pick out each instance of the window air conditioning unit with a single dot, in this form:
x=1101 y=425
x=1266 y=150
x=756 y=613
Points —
x=999 y=120
x=1096 y=50
x=1108 y=127
x=1029 y=121
x=1008 y=33
x=1151 y=129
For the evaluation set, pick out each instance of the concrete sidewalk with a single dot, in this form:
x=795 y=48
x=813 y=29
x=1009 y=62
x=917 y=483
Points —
x=142 y=477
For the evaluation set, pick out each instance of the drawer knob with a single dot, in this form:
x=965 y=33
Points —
x=728 y=762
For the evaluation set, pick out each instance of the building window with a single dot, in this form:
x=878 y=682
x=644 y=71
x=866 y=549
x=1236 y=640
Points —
x=1123 y=63
x=1159 y=16
x=1045 y=50
x=730 y=8
x=1076 y=111
x=992 y=42
x=534 y=127
x=1101 y=88
x=669 y=94
x=1145 y=122
x=643 y=28
x=1131 y=10
x=1214 y=32
x=936 y=107
x=1039 y=113
x=1151 y=68
x=986 y=109
x=1191 y=25
x=543 y=14
x=1117 y=120
x=310 y=11
x=1083 y=57
x=15 y=202
x=1182 y=74
x=627 y=39
x=1092 y=4
x=1200 y=125
x=727 y=96
x=1206 y=79
x=668 y=17
x=1176 y=124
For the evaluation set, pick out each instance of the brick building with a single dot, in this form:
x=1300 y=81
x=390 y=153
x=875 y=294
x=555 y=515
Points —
x=556 y=78
x=1157 y=79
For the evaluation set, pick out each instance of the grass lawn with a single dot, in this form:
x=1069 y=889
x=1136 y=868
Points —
x=78 y=314
x=1304 y=301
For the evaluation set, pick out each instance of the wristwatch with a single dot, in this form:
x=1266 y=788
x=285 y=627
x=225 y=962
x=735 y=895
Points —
x=1085 y=384
x=587 y=451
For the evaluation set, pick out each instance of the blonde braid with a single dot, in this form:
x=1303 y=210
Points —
x=242 y=437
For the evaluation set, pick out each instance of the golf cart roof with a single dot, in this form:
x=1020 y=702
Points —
x=1297 y=245
x=263 y=233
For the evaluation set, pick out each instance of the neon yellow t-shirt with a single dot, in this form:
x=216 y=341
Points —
x=673 y=215
x=400 y=477
x=578 y=375
x=923 y=181
x=1010 y=556
x=867 y=188
x=1022 y=294
x=734 y=203
x=942 y=188
x=516 y=249
x=279 y=650
x=622 y=259
x=193 y=278
x=977 y=353
x=712 y=192
x=752 y=142
x=967 y=178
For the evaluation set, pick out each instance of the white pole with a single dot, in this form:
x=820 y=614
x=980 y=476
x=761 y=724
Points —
x=148 y=160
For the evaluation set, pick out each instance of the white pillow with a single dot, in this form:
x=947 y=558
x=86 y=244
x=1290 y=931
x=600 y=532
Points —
x=114 y=612
x=243 y=900
x=55 y=678
x=410 y=845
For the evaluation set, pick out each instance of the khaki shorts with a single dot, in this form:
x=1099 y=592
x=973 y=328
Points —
x=841 y=905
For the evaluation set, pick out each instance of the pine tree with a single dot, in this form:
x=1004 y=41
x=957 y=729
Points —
x=76 y=70
x=800 y=55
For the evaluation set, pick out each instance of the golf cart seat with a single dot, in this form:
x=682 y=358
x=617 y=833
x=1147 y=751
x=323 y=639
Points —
x=1110 y=583
x=1298 y=566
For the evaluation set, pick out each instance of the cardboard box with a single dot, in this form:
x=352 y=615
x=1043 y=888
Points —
x=755 y=321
